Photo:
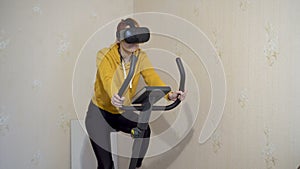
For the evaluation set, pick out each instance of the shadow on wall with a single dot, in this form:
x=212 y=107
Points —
x=166 y=159
x=162 y=161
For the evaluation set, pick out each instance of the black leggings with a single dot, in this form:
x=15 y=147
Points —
x=100 y=123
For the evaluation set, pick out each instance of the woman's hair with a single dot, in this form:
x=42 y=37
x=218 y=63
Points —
x=124 y=23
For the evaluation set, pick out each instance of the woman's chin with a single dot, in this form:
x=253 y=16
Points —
x=133 y=49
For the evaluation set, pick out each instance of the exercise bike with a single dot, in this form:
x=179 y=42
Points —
x=144 y=101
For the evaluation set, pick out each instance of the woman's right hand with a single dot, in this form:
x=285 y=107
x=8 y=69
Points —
x=117 y=101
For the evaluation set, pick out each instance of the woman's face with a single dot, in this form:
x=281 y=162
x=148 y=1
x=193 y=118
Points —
x=129 y=47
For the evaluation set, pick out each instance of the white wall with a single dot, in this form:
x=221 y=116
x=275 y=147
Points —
x=39 y=45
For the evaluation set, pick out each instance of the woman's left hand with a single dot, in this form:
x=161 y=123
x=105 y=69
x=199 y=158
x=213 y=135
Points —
x=177 y=95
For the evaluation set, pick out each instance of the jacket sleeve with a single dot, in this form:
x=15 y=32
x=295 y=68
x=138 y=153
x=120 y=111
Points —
x=105 y=72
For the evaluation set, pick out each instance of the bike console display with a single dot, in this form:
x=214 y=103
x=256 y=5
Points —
x=156 y=92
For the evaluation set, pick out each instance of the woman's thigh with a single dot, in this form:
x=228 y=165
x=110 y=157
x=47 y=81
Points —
x=97 y=127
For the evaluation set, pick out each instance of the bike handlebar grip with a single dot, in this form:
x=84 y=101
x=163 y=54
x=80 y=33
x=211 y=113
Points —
x=182 y=74
x=181 y=85
x=129 y=77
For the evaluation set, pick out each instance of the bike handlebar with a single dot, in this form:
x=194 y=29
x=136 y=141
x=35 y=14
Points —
x=154 y=108
x=129 y=77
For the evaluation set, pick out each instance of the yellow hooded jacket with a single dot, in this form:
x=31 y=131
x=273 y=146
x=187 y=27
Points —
x=110 y=76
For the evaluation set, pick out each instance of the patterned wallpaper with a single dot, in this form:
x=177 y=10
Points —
x=256 y=43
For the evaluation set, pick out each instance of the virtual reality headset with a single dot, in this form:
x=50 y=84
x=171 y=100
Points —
x=134 y=35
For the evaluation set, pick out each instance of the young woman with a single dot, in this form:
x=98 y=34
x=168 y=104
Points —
x=104 y=115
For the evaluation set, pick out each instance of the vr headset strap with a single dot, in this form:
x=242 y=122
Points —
x=130 y=23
